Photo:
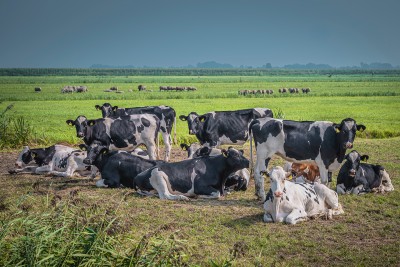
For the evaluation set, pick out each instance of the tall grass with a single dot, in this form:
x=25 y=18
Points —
x=66 y=235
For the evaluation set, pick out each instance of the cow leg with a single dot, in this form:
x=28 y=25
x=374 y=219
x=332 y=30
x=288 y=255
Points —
x=44 y=169
x=341 y=189
x=152 y=150
x=159 y=181
x=93 y=171
x=167 y=142
x=268 y=218
x=261 y=165
x=27 y=169
x=213 y=195
x=297 y=215
x=324 y=174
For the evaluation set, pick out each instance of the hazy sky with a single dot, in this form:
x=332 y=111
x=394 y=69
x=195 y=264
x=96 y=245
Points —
x=79 y=33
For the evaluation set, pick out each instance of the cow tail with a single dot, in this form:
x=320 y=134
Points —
x=251 y=148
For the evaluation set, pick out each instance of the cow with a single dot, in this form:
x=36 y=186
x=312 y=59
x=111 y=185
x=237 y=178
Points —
x=58 y=160
x=294 y=202
x=122 y=133
x=203 y=177
x=38 y=89
x=303 y=172
x=116 y=167
x=320 y=143
x=357 y=178
x=236 y=181
x=223 y=127
x=165 y=114
x=141 y=87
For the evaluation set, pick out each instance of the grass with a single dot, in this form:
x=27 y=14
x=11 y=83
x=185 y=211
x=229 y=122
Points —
x=62 y=222
x=199 y=232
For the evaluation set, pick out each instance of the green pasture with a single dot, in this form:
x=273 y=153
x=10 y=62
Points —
x=373 y=100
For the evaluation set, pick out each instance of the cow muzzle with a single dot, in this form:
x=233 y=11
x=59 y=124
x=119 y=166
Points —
x=278 y=194
x=349 y=145
x=80 y=134
x=352 y=172
x=87 y=161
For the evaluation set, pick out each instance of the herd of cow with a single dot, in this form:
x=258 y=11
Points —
x=313 y=149
x=270 y=91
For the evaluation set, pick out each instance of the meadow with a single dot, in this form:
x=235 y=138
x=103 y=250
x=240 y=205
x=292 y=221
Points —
x=47 y=221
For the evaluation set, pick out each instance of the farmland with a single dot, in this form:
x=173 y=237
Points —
x=53 y=221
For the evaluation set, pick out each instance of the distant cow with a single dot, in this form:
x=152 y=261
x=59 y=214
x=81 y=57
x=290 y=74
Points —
x=223 y=127
x=292 y=202
x=141 y=87
x=38 y=89
x=305 y=90
x=165 y=114
x=303 y=172
x=81 y=89
x=237 y=181
x=317 y=142
x=116 y=167
x=56 y=160
x=282 y=90
x=204 y=177
x=122 y=133
x=356 y=178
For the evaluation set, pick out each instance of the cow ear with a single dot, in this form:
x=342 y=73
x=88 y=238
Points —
x=114 y=108
x=184 y=146
x=336 y=127
x=104 y=151
x=97 y=107
x=361 y=128
x=241 y=151
x=364 y=157
x=91 y=122
x=83 y=147
x=202 y=118
x=183 y=118
x=70 y=122
x=224 y=152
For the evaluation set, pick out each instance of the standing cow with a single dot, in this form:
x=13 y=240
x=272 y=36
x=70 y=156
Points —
x=223 y=127
x=292 y=202
x=165 y=114
x=318 y=142
x=356 y=177
x=122 y=133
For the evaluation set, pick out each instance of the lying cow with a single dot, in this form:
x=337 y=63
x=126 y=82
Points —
x=236 y=181
x=122 y=133
x=204 y=177
x=223 y=127
x=303 y=172
x=55 y=160
x=356 y=178
x=292 y=202
x=320 y=143
x=165 y=114
x=116 y=167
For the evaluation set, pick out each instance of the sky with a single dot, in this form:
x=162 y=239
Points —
x=163 y=33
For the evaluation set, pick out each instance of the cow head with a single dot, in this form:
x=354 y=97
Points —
x=346 y=132
x=94 y=152
x=80 y=124
x=235 y=159
x=106 y=109
x=24 y=157
x=194 y=122
x=353 y=162
x=277 y=177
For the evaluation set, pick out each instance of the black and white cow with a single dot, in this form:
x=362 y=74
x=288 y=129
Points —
x=294 y=202
x=223 y=127
x=236 y=181
x=55 y=160
x=319 y=142
x=122 y=133
x=203 y=177
x=165 y=114
x=116 y=167
x=356 y=177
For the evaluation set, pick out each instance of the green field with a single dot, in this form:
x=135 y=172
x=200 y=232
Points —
x=47 y=221
x=371 y=100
